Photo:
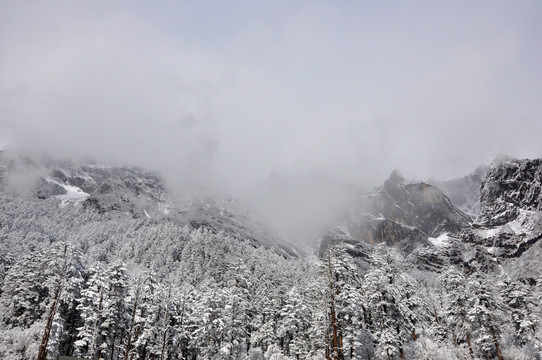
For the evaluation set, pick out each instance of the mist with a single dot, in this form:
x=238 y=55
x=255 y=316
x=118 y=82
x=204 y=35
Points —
x=219 y=96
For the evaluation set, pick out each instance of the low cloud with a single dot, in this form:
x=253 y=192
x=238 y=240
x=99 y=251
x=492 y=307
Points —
x=216 y=97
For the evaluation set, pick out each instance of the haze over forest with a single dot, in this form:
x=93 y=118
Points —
x=279 y=180
x=218 y=95
x=236 y=90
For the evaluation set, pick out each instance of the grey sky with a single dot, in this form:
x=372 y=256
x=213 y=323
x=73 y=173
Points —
x=220 y=93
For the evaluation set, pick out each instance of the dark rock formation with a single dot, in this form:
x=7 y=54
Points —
x=510 y=185
x=404 y=215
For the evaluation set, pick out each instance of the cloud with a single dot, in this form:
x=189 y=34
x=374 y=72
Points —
x=216 y=96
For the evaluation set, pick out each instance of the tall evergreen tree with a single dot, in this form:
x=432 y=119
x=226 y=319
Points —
x=456 y=306
x=483 y=313
x=520 y=308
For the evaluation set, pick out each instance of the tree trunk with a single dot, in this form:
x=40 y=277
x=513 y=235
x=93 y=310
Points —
x=328 y=352
x=181 y=320
x=494 y=335
x=336 y=350
x=165 y=326
x=112 y=348
x=42 y=355
x=499 y=354
x=97 y=353
x=128 y=345
x=470 y=348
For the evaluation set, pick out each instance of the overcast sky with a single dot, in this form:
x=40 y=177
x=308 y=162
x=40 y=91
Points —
x=223 y=92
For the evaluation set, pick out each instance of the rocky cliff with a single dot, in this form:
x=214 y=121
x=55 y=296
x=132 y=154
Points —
x=404 y=214
x=431 y=230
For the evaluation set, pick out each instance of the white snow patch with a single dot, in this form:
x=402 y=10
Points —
x=441 y=240
x=491 y=250
x=380 y=217
x=74 y=195
x=146 y=213
x=488 y=233
x=526 y=221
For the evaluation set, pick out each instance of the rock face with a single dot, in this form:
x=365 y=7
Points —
x=423 y=223
x=404 y=215
x=509 y=186
x=464 y=192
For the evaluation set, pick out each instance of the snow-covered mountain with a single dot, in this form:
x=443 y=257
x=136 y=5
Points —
x=128 y=193
x=105 y=262
x=464 y=192
x=419 y=218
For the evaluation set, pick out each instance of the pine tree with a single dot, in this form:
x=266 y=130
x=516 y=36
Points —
x=184 y=300
x=133 y=330
x=456 y=306
x=349 y=300
x=521 y=309
x=394 y=308
x=294 y=324
x=91 y=306
x=483 y=314
x=25 y=292
x=148 y=316
x=316 y=291
x=334 y=349
x=58 y=287
x=115 y=311
x=239 y=309
x=207 y=321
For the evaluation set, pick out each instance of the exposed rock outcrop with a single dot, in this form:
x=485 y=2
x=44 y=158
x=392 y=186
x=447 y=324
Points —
x=510 y=185
x=404 y=214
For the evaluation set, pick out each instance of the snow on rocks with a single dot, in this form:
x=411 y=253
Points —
x=440 y=241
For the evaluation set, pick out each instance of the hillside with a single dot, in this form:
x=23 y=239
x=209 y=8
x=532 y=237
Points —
x=104 y=262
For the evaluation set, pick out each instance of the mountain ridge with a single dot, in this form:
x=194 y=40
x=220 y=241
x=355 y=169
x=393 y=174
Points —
x=201 y=279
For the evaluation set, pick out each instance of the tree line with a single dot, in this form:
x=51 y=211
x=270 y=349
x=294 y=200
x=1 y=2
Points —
x=227 y=299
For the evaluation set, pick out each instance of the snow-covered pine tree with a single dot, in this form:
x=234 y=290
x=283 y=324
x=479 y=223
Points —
x=348 y=300
x=115 y=312
x=294 y=324
x=316 y=291
x=91 y=304
x=25 y=293
x=64 y=281
x=183 y=303
x=239 y=308
x=456 y=305
x=483 y=314
x=521 y=306
x=394 y=307
x=207 y=320
x=148 y=316
x=334 y=349
x=133 y=329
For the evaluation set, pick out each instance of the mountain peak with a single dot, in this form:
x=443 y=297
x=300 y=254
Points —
x=396 y=177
